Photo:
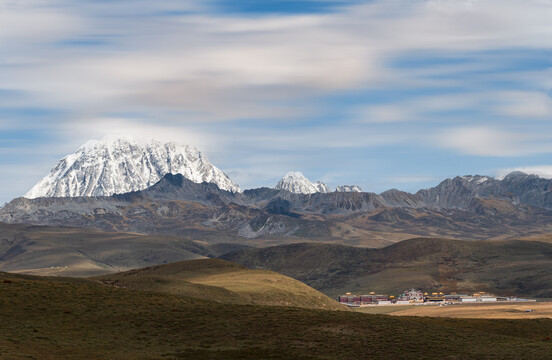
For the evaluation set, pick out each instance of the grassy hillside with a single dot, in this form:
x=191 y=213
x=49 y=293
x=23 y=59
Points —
x=503 y=267
x=62 y=318
x=223 y=281
x=64 y=251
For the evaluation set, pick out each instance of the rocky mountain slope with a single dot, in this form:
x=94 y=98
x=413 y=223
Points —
x=463 y=207
x=517 y=188
x=116 y=165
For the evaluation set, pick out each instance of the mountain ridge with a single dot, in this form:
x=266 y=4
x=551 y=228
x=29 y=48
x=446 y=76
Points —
x=462 y=207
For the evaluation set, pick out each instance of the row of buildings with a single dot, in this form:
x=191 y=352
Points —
x=415 y=296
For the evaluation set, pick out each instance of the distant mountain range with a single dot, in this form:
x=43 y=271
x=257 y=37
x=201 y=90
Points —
x=118 y=165
x=295 y=182
x=115 y=184
x=472 y=207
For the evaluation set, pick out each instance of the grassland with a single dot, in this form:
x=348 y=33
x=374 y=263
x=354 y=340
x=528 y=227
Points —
x=382 y=309
x=64 y=251
x=522 y=268
x=223 y=281
x=64 y=318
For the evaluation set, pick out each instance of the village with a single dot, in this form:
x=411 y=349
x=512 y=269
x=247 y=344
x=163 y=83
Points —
x=417 y=297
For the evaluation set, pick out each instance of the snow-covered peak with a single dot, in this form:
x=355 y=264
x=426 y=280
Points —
x=323 y=188
x=296 y=182
x=516 y=175
x=478 y=179
x=115 y=165
x=348 y=188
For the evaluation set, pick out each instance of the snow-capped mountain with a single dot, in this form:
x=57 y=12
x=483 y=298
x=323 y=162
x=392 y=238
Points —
x=321 y=187
x=297 y=183
x=115 y=165
x=348 y=188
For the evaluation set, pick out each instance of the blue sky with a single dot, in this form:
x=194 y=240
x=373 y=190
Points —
x=382 y=94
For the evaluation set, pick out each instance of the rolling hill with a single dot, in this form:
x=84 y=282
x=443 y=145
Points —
x=502 y=267
x=222 y=281
x=44 y=250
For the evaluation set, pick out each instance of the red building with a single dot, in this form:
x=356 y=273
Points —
x=412 y=295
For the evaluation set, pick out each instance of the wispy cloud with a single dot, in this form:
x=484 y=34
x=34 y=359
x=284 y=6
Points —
x=361 y=79
x=200 y=60
x=486 y=141
x=525 y=104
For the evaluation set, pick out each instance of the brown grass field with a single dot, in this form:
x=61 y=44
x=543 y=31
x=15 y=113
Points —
x=222 y=281
x=469 y=311
x=66 y=318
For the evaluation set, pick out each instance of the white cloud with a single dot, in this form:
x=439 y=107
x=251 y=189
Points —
x=421 y=107
x=203 y=61
x=487 y=141
x=525 y=104
x=187 y=71
x=382 y=113
x=33 y=21
x=140 y=130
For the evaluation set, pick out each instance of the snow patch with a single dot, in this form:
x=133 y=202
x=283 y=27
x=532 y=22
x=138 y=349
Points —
x=348 y=188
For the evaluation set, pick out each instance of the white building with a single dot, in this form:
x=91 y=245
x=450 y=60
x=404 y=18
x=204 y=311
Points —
x=402 y=302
